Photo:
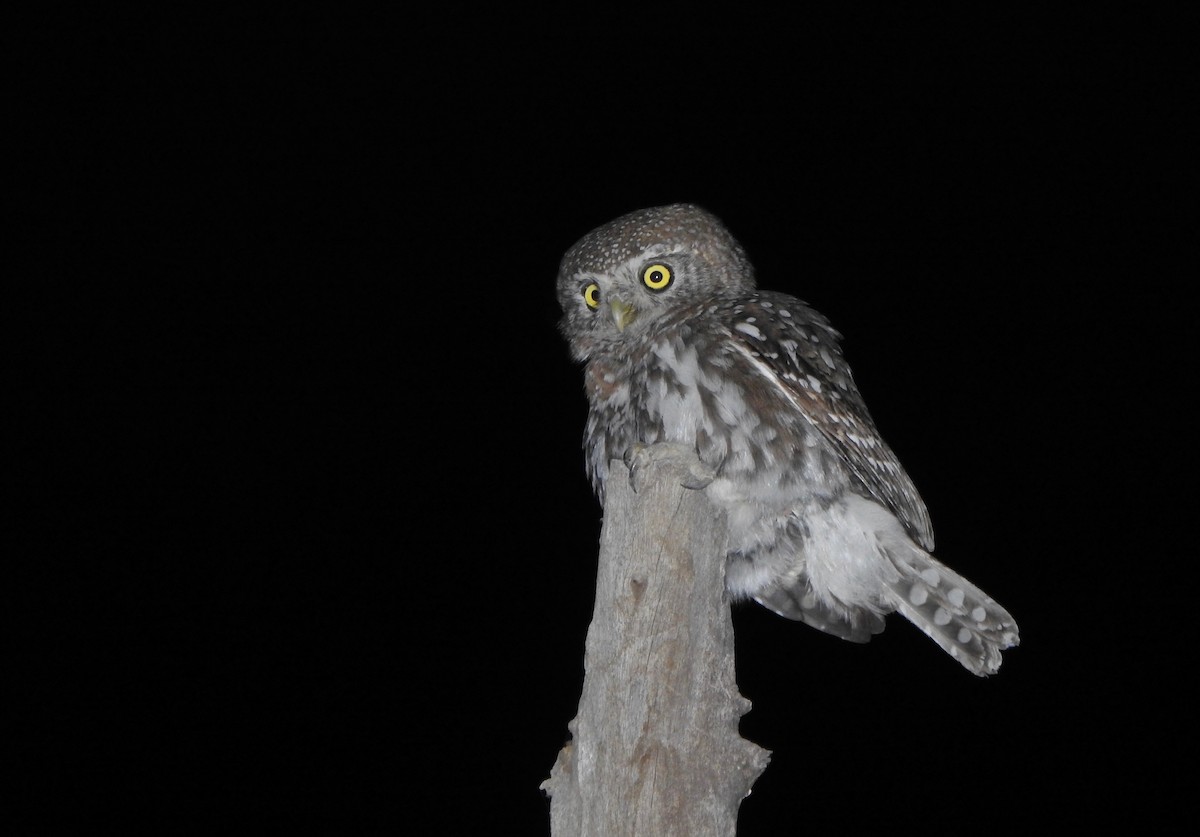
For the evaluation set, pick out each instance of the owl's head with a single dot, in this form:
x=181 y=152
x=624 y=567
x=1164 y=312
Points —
x=621 y=279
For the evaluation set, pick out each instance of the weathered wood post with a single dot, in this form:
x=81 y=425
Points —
x=655 y=748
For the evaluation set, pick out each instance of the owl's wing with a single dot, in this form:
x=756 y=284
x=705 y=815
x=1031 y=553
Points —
x=797 y=351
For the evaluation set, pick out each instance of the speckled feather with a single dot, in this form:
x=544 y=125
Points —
x=827 y=527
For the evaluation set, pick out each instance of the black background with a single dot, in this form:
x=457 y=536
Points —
x=306 y=541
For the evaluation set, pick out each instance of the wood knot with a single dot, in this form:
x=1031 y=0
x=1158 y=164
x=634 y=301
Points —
x=637 y=586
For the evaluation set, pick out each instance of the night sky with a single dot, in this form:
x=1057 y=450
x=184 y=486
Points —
x=306 y=540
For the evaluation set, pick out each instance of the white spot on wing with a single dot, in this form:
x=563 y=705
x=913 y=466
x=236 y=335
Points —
x=748 y=329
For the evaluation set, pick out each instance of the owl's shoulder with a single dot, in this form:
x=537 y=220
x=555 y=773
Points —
x=784 y=335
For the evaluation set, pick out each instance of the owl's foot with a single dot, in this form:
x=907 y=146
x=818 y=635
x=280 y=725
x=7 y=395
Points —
x=682 y=458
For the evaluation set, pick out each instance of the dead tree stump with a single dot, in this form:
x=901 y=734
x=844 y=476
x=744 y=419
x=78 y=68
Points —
x=655 y=748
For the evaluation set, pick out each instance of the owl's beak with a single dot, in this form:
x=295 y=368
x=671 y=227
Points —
x=622 y=312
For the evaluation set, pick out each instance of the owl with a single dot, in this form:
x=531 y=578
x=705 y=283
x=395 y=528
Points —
x=825 y=526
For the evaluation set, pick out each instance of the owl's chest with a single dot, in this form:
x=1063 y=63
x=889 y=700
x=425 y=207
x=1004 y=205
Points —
x=707 y=396
x=673 y=392
x=662 y=394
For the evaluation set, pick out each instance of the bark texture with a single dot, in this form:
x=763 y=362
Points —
x=655 y=748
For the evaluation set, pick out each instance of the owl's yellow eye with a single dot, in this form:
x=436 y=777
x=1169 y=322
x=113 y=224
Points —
x=657 y=277
x=591 y=296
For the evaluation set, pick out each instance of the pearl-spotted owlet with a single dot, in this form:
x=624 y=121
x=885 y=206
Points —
x=825 y=525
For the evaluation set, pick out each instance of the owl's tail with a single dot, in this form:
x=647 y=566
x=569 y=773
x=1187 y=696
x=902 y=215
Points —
x=968 y=624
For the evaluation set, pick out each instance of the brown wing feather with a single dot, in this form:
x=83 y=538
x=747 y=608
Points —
x=797 y=350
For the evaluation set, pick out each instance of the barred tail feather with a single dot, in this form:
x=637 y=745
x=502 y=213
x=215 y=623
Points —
x=968 y=624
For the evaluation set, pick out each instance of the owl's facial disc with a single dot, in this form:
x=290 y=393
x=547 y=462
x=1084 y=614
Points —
x=623 y=313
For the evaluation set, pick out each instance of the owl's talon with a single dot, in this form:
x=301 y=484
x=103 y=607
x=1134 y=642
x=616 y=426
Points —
x=693 y=474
